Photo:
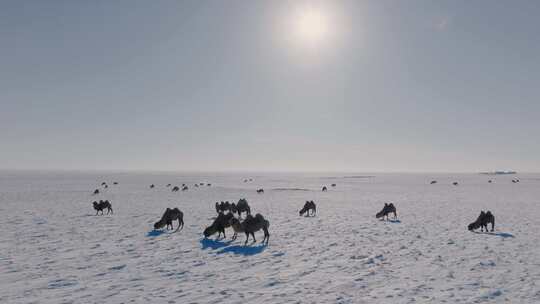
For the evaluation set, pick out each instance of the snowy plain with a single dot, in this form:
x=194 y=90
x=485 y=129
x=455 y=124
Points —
x=53 y=249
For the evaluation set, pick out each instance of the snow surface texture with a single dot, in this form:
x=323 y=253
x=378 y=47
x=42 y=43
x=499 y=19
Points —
x=53 y=249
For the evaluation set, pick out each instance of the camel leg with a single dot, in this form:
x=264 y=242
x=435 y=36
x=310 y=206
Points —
x=234 y=236
x=253 y=235
x=247 y=238
x=492 y=225
x=97 y=211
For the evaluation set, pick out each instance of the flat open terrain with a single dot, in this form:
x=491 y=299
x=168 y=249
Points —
x=53 y=249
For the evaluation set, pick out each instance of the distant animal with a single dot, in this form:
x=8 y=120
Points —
x=168 y=185
x=115 y=183
x=482 y=221
x=242 y=206
x=175 y=189
x=103 y=184
x=455 y=183
x=209 y=185
x=221 y=222
x=251 y=179
x=309 y=205
x=333 y=185
x=103 y=205
x=245 y=181
x=433 y=182
x=152 y=186
x=387 y=209
x=515 y=181
x=185 y=188
x=223 y=206
x=96 y=191
x=202 y=184
x=106 y=186
x=490 y=181
x=260 y=191
x=251 y=225
x=324 y=188
x=168 y=217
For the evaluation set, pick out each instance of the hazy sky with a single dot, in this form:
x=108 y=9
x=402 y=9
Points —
x=240 y=85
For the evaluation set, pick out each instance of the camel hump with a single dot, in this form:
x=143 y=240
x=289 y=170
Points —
x=259 y=217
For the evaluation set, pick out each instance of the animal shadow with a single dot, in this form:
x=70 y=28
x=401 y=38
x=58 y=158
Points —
x=214 y=244
x=244 y=250
x=499 y=234
x=154 y=233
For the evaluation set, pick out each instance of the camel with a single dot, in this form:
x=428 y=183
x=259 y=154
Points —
x=482 y=221
x=168 y=217
x=309 y=205
x=260 y=191
x=103 y=205
x=220 y=223
x=185 y=188
x=242 y=206
x=223 y=206
x=96 y=191
x=455 y=183
x=387 y=209
x=433 y=182
x=152 y=186
x=251 y=225
x=324 y=189
x=175 y=189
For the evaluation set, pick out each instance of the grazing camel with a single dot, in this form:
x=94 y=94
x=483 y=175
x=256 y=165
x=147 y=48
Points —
x=251 y=225
x=433 y=182
x=482 y=221
x=221 y=222
x=490 y=181
x=96 y=191
x=324 y=189
x=309 y=205
x=455 y=183
x=185 y=188
x=260 y=191
x=242 y=206
x=152 y=186
x=115 y=183
x=168 y=217
x=175 y=189
x=103 y=184
x=209 y=185
x=387 y=209
x=103 y=205
x=333 y=185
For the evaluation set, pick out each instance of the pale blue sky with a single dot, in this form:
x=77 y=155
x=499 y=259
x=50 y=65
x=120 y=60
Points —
x=228 y=85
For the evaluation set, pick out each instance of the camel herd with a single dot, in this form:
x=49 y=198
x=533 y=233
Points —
x=229 y=215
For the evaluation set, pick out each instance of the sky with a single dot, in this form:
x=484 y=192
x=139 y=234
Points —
x=363 y=86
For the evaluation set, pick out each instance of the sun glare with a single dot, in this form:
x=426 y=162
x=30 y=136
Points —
x=312 y=26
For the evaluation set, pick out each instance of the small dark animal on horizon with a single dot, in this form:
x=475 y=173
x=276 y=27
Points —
x=387 y=209
x=455 y=183
x=168 y=217
x=152 y=186
x=260 y=191
x=185 y=188
x=103 y=205
x=324 y=189
x=433 y=182
x=96 y=191
x=333 y=185
x=175 y=189
x=482 y=222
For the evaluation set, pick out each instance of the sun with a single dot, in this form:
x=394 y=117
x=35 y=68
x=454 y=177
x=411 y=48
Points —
x=312 y=25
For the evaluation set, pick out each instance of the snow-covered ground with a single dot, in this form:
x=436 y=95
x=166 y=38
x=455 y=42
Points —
x=53 y=249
